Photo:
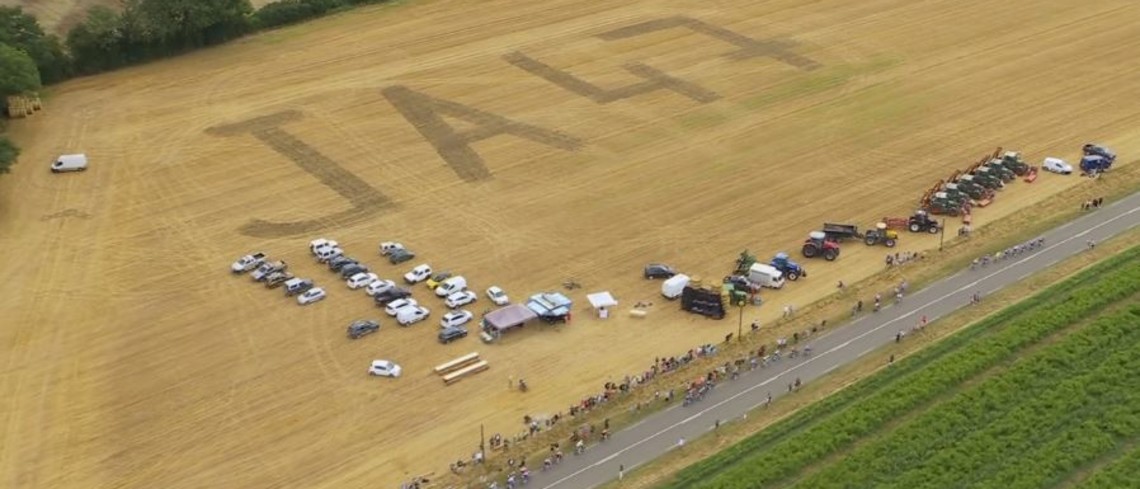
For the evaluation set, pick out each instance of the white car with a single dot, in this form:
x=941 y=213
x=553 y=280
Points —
x=361 y=279
x=497 y=296
x=389 y=247
x=379 y=286
x=310 y=296
x=394 y=307
x=455 y=319
x=321 y=243
x=418 y=274
x=326 y=253
x=384 y=368
x=461 y=298
x=411 y=315
x=1057 y=165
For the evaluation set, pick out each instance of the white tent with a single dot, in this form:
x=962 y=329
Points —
x=601 y=300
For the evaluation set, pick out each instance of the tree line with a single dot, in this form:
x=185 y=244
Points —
x=137 y=32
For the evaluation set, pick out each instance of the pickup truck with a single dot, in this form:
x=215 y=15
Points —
x=248 y=262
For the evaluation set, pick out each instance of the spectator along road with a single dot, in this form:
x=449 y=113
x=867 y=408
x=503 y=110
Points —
x=660 y=432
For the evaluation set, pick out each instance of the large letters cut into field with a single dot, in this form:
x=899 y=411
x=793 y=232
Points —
x=1067 y=403
x=426 y=113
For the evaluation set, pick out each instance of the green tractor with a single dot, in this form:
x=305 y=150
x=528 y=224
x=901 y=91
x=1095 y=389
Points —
x=970 y=185
x=942 y=204
x=955 y=192
x=1002 y=172
x=1012 y=160
x=988 y=178
x=744 y=263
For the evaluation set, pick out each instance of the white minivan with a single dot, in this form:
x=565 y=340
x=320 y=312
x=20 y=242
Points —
x=67 y=163
x=451 y=286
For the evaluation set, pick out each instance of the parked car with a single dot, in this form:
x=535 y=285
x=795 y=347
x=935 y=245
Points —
x=455 y=318
x=451 y=286
x=497 y=296
x=437 y=279
x=277 y=279
x=461 y=298
x=395 y=293
x=362 y=327
x=384 y=368
x=327 y=253
x=659 y=270
x=400 y=256
x=352 y=269
x=447 y=335
x=361 y=280
x=393 y=307
x=321 y=243
x=296 y=286
x=378 y=287
x=389 y=247
x=411 y=315
x=266 y=269
x=248 y=262
x=310 y=296
x=418 y=274
x=1057 y=165
x=338 y=261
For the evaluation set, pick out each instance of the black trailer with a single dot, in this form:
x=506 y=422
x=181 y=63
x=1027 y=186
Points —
x=840 y=232
x=705 y=301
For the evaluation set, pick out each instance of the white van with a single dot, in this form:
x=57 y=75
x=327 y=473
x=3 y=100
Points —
x=766 y=276
x=451 y=286
x=672 y=287
x=69 y=163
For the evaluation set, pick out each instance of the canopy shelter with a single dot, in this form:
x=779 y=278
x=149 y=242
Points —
x=508 y=317
x=601 y=300
x=549 y=305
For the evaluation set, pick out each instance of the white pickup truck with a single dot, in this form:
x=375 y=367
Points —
x=248 y=262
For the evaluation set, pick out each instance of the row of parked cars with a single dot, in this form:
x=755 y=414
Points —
x=274 y=274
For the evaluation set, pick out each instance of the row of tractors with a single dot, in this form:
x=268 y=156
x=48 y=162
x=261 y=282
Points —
x=955 y=196
x=975 y=186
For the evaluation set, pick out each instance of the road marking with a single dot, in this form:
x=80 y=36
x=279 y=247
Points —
x=837 y=348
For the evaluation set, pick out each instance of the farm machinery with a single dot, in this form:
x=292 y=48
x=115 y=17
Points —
x=792 y=270
x=919 y=222
x=941 y=202
x=970 y=185
x=881 y=235
x=819 y=244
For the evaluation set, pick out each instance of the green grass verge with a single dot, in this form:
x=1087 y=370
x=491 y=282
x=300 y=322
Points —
x=1122 y=472
x=835 y=423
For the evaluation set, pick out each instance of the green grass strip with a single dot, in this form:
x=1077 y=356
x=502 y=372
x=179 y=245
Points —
x=955 y=440
x=773 y=455
x=1122 y=472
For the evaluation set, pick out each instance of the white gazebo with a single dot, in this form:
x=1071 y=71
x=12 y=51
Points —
x=602 y=302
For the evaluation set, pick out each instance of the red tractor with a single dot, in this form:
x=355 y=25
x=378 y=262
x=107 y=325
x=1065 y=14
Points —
x=818 y=244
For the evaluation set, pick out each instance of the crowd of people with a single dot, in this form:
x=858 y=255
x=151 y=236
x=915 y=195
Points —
x=903 y=257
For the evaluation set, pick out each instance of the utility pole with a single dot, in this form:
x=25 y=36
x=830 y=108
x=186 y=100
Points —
x=740 y=323
x=942 y=235
x=482 y=443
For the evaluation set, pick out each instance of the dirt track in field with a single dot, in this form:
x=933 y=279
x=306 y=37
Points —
x=551 y=140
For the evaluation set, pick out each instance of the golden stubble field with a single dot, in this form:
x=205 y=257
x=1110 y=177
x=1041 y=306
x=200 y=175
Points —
x=132 y=358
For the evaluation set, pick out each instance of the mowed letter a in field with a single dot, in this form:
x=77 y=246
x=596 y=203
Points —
x=516 y=144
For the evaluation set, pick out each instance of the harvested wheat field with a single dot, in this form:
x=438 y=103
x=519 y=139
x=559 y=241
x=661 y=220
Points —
x=520 y=144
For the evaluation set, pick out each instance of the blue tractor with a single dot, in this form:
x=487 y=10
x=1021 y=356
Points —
x=1093 y=164
x=1092 y=149
x=792 y=270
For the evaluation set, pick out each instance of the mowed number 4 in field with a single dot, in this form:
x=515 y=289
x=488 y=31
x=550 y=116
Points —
x=426 y=113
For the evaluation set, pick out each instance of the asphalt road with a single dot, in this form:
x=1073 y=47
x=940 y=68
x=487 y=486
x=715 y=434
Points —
x=661 y=432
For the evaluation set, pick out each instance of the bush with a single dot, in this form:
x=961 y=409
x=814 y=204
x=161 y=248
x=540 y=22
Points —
x=285 y=12
x=8 y=154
